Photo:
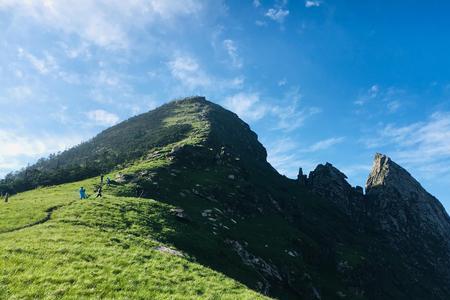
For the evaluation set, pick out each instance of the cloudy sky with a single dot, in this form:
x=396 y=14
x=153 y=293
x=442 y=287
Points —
x=317 y=80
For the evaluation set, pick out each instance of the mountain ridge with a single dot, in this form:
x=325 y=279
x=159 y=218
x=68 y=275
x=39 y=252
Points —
x=310 y=238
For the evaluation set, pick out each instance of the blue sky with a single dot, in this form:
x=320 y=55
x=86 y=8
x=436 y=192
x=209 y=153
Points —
x=318 y=81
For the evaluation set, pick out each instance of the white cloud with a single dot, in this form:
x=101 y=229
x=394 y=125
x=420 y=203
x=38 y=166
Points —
x=282 y=82
x=370 y=94
x=102 y=23
x=47 y=65
x=18 y=149
x=287 y=155
x=247 y=106
x=74 y=52
x=325 y=144
x=374 y=89
x=260 y=23
x=231 y=48
x=277 y=14
x=357 y=170
x=283 y=154
x=15 y=144
x=389 y=100
x=256 y=3
x=102 y=117
x=188 y=71
x=236 y=82
x=250 y=107
x=423 y=145
x=42 y=65
x=8 y=164
x=290 y=116
x=393 y=106
x=19 y=93
x=312 y=3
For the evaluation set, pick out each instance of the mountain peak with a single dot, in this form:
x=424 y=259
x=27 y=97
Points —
x=385 y=172
x=402 y=201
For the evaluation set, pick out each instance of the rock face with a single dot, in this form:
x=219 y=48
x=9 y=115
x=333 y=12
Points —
x=328 y=182
x=414 y=222
x=401 y=204
x=405 y=222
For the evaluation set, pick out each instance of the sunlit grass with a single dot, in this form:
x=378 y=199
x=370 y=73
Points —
x=97 y=249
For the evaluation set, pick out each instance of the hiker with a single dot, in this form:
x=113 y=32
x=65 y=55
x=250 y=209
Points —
x=6 y=197
x=99 y=192
x=108 y=181
x=101 y=179
x=82 y=193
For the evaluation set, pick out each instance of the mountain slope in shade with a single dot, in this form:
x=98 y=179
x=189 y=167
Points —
x=414 y=222
x=226 y=208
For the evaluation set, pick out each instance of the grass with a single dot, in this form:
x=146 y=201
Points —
x=97 y=249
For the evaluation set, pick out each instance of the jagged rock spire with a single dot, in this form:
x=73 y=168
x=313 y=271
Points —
x=386 y=172
x=401 y=203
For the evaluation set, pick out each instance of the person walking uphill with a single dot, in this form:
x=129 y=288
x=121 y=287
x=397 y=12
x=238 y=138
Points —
x=82 y=193
x=99 y=192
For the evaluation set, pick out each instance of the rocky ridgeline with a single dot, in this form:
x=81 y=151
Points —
x=393 y=198
x=330 y=183
x=412 y=221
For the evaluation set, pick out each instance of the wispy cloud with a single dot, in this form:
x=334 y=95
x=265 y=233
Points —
x=282 y=82
x=325 y=144
x=18 y=148
x=247 y=106
x=47 y=65
x=102 y=23
x=312 y=3
x=102 y=117
x=277 y=14
x=291 y=115
x=390 y=99
x=43 y=65
x=282 y=154
x=260 y=23
x=20 y=93
x=232 y=50
x=370 y=94
x=422 y=145
x=393 y=106
x=287 y=155
x=187 y=70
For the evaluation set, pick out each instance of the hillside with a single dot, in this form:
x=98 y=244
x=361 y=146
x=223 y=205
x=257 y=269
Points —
x=192 y=177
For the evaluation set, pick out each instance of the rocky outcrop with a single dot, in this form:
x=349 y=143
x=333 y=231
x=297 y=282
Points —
x=302 y=178
x=404 y=219
x=401 y=205
x=266 y=271
x=330 y=183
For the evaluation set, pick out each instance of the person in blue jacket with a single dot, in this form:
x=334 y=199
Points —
x=82 y=193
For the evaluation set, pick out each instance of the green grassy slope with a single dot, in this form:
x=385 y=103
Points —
x=106 y=248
